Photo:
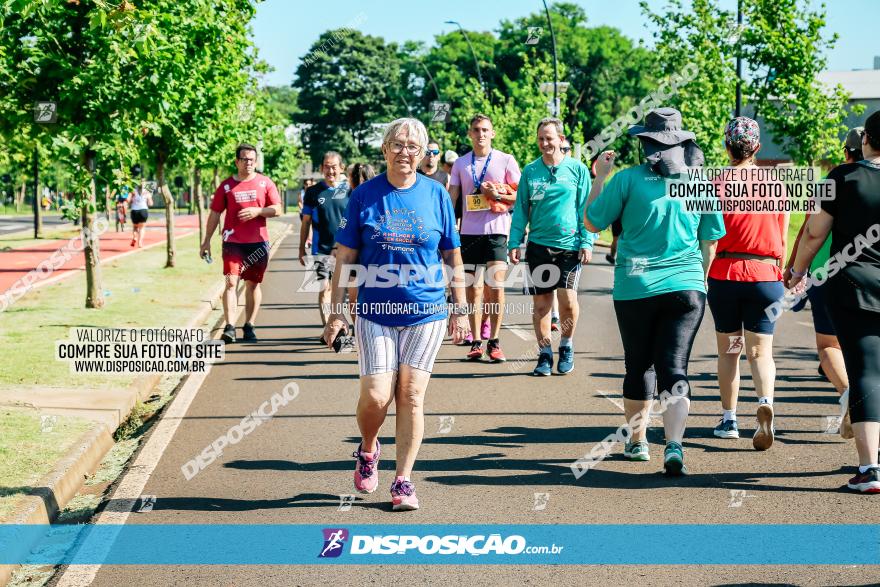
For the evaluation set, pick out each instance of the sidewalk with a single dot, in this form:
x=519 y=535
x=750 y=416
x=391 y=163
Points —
x=17 y=263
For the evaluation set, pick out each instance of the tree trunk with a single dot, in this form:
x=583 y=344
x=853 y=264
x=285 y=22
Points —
x=169 y=209
x=38 y=200
x=196 y=196
x=92 y=243
x=215 y=183
x=107 y=202
x=20 y=200
x=192 y=204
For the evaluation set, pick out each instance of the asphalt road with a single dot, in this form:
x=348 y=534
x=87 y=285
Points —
x=13 y=224
x=495 y=436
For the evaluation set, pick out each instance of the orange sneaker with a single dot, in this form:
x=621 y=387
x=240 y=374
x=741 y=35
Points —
x=493 y=350
x=476 y=352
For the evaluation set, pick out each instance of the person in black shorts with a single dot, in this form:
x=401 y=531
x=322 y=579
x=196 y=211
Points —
x=486 y=180
x=853 y=288
x=831 y=365
x=323 y=207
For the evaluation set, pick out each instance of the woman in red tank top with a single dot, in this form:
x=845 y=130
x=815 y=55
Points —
x=744 y=279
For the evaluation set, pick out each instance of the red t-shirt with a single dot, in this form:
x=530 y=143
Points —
x=756 y=234
x=233 y=195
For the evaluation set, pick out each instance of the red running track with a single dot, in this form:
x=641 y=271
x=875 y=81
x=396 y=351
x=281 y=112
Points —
x=16 y=263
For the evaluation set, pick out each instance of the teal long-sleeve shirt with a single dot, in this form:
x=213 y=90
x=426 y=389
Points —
x=552 y=205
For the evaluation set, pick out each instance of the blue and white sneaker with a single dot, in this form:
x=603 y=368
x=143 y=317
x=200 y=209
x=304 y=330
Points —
x=727 y=429
x=544 y=367
x=566 y=360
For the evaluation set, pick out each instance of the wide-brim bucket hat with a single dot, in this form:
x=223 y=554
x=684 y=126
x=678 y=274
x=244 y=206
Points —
x=664 y=126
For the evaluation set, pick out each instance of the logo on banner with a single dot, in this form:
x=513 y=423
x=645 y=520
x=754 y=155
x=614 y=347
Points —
x=334 y=540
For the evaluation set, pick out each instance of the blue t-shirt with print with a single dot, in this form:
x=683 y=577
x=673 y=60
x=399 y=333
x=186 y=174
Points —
x=399 y=234
x=659 y=248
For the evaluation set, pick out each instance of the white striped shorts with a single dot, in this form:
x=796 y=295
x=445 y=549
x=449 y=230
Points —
x=383 y=348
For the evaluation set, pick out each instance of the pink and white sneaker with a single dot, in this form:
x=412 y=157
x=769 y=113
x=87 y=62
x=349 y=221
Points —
x=403 y=496
x=366 y=472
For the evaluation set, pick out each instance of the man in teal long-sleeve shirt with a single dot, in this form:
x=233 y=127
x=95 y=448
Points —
x=550 y=200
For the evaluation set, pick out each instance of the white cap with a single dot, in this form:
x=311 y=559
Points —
x=450 y=157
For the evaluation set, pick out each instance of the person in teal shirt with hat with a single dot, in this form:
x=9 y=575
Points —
x=663 y=257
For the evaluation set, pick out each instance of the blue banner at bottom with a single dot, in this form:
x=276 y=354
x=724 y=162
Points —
x=164 y=544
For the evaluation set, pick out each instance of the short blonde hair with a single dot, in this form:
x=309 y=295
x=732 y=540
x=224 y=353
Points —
x=554 y=121
x=414 y=130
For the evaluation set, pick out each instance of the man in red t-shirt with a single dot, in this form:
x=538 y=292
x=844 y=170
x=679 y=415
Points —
x=248 y=198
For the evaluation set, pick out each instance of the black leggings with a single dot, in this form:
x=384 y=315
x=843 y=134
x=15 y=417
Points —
x=658 y=335
x=859 y=334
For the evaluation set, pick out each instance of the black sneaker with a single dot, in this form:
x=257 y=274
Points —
x=249 y=335
x=228 y=333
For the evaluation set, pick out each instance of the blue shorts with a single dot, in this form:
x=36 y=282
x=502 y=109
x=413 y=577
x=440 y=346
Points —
x=742 y=304
x=821 y=319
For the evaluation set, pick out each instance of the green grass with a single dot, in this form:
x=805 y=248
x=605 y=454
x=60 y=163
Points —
x=139 y=293
x=27 y=453
x=794 y=226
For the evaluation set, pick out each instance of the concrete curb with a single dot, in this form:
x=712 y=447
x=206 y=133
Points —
x=43 y=503
x=57 y=488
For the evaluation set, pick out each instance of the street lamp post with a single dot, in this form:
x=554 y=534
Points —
x=473 y=53
x=430 y=77
x=555 y=63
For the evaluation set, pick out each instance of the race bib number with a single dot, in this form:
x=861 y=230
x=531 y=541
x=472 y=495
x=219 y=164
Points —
x=477 y=203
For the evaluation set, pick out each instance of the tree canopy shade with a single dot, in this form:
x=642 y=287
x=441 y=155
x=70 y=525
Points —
x=785 y=52
x=783 y=48
x=346 y=82
x=608 y=73
x=171 y=83
x=71 y=58
x=701 y=35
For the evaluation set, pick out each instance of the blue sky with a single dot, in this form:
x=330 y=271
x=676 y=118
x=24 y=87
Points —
x=285 y=29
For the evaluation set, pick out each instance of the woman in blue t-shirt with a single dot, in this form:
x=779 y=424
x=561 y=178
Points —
x=663 y=256
x=398 y=235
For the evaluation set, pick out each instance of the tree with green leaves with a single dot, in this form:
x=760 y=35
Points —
x=700 y=35
x=608 y=73
x=515 y=112
x=347 y=82
x=785 y=52
x=71 y=59
x=202 y=63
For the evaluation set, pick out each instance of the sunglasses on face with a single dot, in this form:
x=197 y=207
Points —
x=565 y=149
x=433 y=151
x=247 y=160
